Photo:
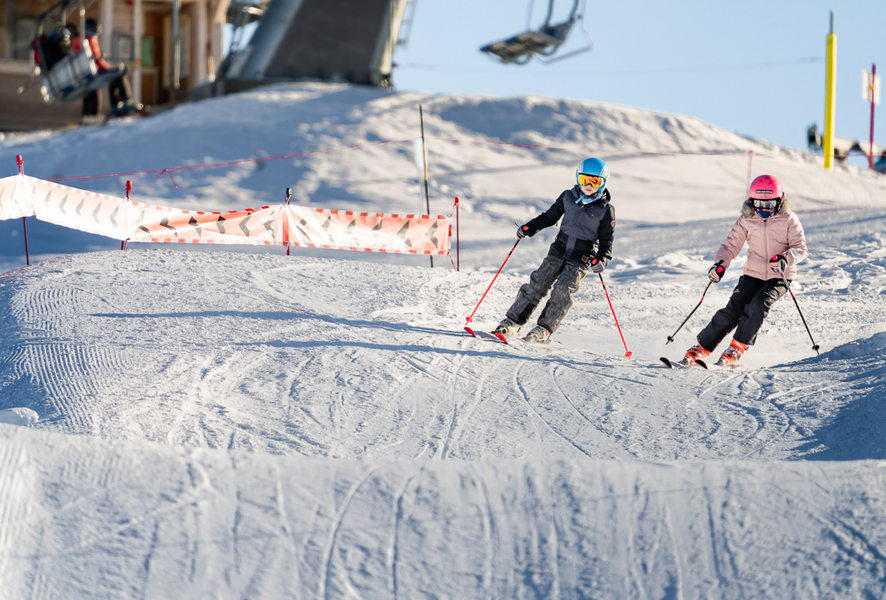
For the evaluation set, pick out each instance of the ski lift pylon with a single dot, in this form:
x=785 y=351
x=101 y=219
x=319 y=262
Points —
x=544 y=41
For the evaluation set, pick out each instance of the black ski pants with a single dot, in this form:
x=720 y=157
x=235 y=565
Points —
x=564 y=277
x=745 y=312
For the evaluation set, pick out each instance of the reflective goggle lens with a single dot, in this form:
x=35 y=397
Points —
x=590 y=181
x=765 y=204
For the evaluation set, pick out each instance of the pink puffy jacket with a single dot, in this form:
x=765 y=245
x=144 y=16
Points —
x=779 y=234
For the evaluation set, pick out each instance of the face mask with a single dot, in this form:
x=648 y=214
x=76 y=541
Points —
x=584 y=198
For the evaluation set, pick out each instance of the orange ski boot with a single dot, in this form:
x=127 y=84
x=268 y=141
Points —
x=695 y=353
x=732 y=354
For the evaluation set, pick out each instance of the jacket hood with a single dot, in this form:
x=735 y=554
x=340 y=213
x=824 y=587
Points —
x=747 y=207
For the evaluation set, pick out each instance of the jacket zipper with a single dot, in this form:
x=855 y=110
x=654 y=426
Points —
x=766 y=244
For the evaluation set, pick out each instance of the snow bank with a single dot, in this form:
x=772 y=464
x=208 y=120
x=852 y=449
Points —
x=143 y=520
x=874 y=345
x=18 y=416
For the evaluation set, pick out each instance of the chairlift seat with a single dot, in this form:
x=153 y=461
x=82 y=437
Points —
x=526 y=44
x=75 y=76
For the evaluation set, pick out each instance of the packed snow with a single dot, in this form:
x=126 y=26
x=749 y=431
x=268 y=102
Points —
x=210 y=422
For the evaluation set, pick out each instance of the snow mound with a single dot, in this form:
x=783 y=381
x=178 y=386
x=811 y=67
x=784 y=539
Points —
x=194 y=523
x=874 y=345
x=18 y=416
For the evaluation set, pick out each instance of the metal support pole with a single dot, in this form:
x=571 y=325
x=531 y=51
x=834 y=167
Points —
x=750 y=163
x=21 y=171
x=830 y=111
x=176 y=47
x=424 y=163
x=27 y=254
x=872 y=89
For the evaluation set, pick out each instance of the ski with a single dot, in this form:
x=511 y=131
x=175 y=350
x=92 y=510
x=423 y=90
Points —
x=731 y=367
x=501 y=338
x=489 y=337
x=675 y=364
x=518 y=341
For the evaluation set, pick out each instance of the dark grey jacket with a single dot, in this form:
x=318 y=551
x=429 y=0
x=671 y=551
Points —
x=587 y=230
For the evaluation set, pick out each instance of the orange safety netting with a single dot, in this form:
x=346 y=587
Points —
x=23 y=196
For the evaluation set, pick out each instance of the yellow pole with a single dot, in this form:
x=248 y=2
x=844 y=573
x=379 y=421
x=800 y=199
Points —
x=830 y=102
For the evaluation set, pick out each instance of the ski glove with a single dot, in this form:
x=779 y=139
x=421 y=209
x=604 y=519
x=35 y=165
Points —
x=598 y=266
x=524 y=231
x=778 y=263
x=716 y=272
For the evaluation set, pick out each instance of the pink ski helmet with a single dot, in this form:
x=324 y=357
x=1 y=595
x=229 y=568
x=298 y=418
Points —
x=766 y=187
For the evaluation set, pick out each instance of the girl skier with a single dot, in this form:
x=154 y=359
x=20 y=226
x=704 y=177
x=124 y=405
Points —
x=584 y=241
x=776 y=243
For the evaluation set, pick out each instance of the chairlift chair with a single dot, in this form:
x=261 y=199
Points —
x=544 y=41
x=76 y=74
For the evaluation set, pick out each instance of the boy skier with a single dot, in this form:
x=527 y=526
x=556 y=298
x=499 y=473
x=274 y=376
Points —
x=776 y=243
x=584 y=241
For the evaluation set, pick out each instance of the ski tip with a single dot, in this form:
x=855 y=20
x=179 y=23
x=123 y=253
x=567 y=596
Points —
x=471 y=331
x=667 y=362
x=501 y=336
x=701 y=363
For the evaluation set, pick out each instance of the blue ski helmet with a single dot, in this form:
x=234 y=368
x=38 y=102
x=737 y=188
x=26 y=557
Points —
x=592 y=167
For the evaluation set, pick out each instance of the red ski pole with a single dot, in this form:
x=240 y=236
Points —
x=628 y=353
x=471 y=318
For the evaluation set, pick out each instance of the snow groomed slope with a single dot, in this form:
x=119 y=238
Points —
x=224 y=424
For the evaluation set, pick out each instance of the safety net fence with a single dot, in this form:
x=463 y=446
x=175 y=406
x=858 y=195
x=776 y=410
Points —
x=280 y=225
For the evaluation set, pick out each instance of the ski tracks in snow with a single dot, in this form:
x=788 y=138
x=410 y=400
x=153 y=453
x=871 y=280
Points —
x=273 y=360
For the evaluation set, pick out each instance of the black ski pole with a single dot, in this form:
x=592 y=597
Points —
x=671 y=337
x=797 y=304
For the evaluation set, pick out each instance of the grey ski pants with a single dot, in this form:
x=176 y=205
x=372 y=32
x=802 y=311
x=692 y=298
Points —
x=745 y=312
x=558 y=273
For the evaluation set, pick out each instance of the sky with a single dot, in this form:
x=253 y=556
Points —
x=753 y=67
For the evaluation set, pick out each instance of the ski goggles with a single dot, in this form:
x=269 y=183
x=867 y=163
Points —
x=590 y=181
x=765 y=204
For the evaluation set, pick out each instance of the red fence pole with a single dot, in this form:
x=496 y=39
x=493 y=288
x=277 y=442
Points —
x=285 y=221
x=123 y=243
x=457 y=240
